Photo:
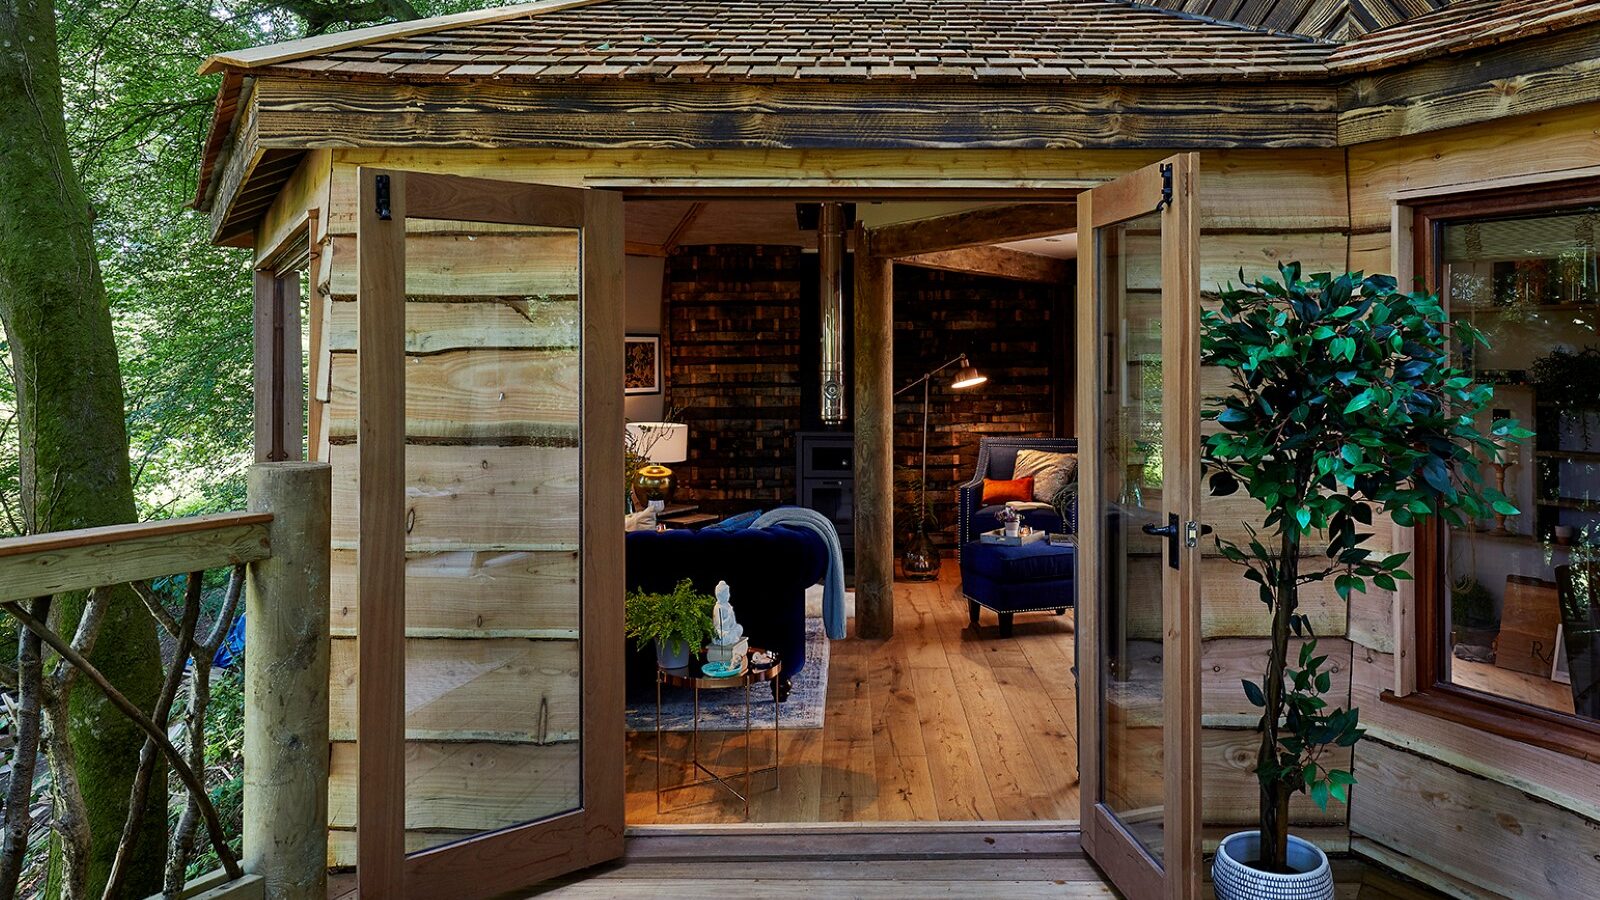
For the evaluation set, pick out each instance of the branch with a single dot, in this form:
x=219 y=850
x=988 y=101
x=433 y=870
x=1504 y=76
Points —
x=153 y=603
x=197 y=789
x=25 y=755
x=139 y=797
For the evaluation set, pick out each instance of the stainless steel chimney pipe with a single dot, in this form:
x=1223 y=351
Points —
x=830 y=258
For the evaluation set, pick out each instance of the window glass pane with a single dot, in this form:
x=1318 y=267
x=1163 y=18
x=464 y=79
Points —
x=1522 y=618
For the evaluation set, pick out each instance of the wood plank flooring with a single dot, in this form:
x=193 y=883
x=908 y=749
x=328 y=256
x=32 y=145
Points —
x=941 y=723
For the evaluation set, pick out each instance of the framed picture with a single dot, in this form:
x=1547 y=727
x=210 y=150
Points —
x=642 y=364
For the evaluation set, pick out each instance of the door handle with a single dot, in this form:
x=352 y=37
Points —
x=1170 y=532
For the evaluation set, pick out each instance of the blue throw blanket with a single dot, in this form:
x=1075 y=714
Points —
x=833 y=619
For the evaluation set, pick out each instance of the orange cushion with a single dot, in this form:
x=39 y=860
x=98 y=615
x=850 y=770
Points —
x=1007 y=491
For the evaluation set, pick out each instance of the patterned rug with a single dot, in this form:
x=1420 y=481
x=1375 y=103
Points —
x=723 y=710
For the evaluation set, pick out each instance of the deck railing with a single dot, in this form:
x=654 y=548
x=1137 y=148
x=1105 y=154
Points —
x=278 y=552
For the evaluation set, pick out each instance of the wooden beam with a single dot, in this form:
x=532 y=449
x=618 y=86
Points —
x=997 y=262
x=1526 y=77
x=94 y=557
x=874 y=443
x=381 y=236
x=976 y=227
x=682 y=228
x=640 y=248
x=301 y=112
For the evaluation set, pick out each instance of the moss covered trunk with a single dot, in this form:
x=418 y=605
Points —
x=74 y=439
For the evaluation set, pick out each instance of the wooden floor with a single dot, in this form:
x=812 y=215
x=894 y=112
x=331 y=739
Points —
x=941 y=723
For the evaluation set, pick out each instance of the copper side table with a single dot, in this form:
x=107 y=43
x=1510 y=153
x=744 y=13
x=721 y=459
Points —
x=691 y=677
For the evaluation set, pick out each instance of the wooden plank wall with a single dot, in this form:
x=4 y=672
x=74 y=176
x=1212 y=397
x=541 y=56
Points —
x=1257 y=208
x=1482 y=815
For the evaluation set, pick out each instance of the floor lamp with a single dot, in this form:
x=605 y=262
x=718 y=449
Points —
x=920 y=561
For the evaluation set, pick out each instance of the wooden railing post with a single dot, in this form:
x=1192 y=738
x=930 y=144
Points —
x=286 y=684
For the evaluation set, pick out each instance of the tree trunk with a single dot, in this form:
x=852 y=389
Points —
x=1275 y=794
x=73 y=434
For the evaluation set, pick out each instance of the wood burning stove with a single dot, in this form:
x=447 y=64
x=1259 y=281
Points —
x=825 y=482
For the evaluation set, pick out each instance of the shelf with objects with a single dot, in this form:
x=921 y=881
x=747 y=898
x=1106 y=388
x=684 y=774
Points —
x=1522 y=622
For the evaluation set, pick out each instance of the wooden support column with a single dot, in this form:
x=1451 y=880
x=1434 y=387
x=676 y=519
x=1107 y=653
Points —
x=874 y=441
x=286 y=684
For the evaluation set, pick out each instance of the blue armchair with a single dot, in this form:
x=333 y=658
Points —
x=997 y=459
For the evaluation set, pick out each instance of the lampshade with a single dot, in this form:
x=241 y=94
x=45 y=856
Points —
x=967 y=376
x=661 y=442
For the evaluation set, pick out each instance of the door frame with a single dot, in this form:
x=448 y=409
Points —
x=513 y=858
x=1169 y=186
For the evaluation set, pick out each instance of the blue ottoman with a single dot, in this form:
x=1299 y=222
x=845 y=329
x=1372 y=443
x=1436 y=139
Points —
x=1037 y=577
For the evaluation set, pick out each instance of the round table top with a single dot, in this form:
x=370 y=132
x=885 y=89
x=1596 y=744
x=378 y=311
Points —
x=691 y=676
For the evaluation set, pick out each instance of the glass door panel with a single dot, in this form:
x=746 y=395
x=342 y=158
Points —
x=492 y=523
x=1139 y=422
x=1131 y=476
x=488 y=376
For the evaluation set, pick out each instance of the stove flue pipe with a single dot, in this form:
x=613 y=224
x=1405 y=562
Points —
x=830 y=258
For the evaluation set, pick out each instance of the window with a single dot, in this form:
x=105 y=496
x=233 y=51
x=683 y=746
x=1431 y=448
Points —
x=1509 y=607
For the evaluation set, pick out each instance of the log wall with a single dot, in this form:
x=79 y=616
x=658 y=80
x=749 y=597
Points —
x=1483 y=816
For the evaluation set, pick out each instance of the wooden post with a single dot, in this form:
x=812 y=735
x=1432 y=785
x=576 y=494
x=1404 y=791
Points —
x=286 y=684
x=874 y=442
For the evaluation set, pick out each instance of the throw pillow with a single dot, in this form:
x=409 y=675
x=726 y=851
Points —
x=1051 y=471
x=1006 y=491
x=644 y=520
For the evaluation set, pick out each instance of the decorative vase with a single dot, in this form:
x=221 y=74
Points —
x=673 y=654
x=1235 y=878
x=920 y=561
x=1014 y=529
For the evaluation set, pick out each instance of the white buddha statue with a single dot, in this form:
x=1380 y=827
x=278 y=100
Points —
x=729 y=631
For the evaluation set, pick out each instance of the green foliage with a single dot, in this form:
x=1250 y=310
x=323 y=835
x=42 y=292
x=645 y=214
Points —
x=224 y=772
x=682 y=615
x=1344 y=403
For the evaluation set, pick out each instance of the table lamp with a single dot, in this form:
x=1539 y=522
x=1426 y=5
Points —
x=658 y=442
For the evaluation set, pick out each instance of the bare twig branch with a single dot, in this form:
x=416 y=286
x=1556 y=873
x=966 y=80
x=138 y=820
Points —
x=197 y=790
x=182 y=848
x=139 y=797
x=153 y=604
x=25 y=755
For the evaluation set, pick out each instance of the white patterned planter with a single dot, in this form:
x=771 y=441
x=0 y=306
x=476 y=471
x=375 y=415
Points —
x=1235 y=879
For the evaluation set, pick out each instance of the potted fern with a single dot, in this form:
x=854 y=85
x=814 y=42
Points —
x=1345 y=404
x=678 y=622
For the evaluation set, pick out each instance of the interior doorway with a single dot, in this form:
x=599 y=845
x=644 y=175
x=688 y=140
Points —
x=949 y=720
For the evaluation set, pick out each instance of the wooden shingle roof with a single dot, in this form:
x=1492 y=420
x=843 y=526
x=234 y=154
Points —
x=891 y=40
x=1464 y=25
x=1326 y=19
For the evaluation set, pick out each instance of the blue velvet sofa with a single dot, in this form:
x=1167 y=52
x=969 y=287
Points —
x=767 y=570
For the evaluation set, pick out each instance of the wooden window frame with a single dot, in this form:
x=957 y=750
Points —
x=1435 y=695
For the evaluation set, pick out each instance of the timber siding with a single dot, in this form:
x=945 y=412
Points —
x=1484 y=815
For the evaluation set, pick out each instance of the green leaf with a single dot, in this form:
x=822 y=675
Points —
x=1253 y=692
x=1358 y=402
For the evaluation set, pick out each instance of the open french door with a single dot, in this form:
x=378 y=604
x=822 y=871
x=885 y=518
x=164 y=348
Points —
x=1139 y=529
x=490 y=709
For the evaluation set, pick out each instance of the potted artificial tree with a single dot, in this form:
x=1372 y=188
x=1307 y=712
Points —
x=679 y=623
x=1345 y=403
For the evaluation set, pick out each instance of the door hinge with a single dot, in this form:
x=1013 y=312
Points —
x=381 y=189
x=1166 y=187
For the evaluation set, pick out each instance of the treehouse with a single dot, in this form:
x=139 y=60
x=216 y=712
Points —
x=487 y=243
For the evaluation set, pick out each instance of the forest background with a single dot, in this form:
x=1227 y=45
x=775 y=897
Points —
x=136 y=113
